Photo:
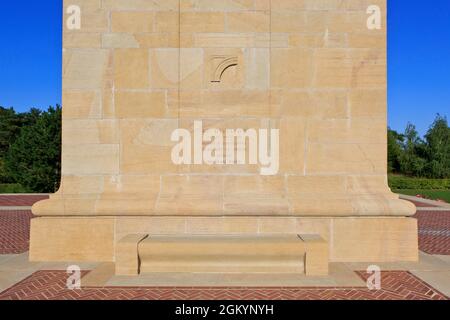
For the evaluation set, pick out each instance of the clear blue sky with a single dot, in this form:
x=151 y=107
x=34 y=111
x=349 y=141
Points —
x=418 y=53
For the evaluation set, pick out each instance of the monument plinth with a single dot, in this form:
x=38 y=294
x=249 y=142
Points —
x=137 y=71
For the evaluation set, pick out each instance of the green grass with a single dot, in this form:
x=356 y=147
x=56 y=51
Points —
x=12 y=188
x=429 y=194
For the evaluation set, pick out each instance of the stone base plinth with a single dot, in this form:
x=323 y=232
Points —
x=350 y=239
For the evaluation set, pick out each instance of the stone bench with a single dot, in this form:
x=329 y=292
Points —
x=127 y=255
x=304 y=254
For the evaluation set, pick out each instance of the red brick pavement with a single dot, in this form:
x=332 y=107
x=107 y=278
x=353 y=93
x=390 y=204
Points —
x=434 y=231
x=51 y=285
x=14 y=231
x=20 y=200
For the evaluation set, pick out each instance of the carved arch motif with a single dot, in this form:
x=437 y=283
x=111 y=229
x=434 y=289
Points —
x=224 y=64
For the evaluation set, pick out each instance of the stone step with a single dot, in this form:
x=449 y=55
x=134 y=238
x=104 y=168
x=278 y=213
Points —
x=225 y=263
x=221 y=245
x=225 y=254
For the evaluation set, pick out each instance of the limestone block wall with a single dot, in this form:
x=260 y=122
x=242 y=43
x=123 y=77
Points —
x=139 y=69
x=350 y=239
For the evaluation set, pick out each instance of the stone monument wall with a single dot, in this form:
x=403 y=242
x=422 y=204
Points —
x=137 y=70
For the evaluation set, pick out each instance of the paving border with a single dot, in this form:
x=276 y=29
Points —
x=15 y=208
x=426 y=201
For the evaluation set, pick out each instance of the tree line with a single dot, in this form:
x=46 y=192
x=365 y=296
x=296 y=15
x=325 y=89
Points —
x=30 y=149
x=427 y=157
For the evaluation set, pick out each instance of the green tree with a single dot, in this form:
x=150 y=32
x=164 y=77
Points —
x=395 y=141
x=10 y=125
x=411 y=159
x=34 y=159
x=438 y=149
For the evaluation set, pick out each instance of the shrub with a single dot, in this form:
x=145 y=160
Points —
x=403 y=183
